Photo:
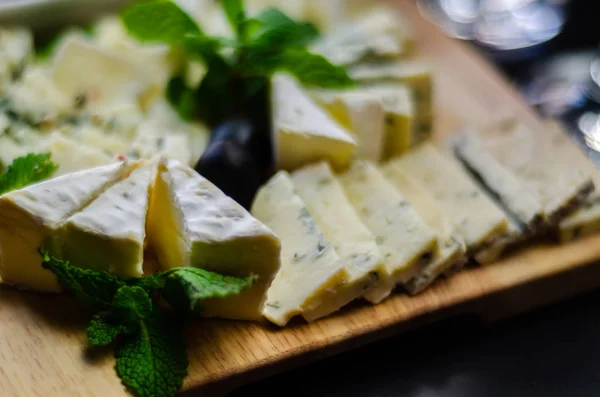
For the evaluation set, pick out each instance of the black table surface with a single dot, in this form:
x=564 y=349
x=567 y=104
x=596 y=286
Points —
x=551 y=352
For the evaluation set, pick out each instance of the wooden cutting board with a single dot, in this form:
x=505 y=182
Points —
x=42 y=336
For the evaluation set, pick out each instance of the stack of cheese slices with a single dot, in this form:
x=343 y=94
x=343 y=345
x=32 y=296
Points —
x=363 y=231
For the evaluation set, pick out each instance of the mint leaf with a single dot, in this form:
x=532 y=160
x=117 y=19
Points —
x=182 y=98
x=273 y=29
x=152 y=362
x=151 y=283
x=27 y=170
x=131 y=304
x=236 y=14
x=158 y=21
x=314 y=70
x=186 y=287
x=103 y=330
x=94 y=289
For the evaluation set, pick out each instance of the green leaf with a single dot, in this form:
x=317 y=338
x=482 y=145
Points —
x=236 y=14
x=94 y=289
x=182 y=98
x=132 y=304
x=153 y=362
x=314 y=70
x=273 y=29
x=158 y=21
x=206 y=48
x=186 y=287
x=103 y=330
x=26 y=170
x=151 y=283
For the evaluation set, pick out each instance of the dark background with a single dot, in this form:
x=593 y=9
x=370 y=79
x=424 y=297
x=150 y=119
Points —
x=551 y=352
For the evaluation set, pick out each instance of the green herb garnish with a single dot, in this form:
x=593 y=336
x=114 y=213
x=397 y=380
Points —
x=149 y=347
x=238 y=67
x=26 y=170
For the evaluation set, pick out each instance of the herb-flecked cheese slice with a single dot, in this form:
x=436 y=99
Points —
x=404 y=239
x=311 y=269
x=327 y=203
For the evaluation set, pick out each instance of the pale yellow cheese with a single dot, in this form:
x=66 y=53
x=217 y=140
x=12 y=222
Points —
x=193 y=223
x=405 y=241
x=71 y=156
x=327 y=203
x=32 y=218
x=109 y=234
x=451 y=246
x=311 y=269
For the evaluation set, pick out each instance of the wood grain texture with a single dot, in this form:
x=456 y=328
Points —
x=42 y=336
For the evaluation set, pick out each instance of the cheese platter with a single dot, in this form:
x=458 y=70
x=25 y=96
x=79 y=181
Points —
x=409 y=184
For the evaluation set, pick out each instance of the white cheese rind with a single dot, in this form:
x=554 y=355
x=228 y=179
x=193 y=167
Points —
x=32 y=217
x=303 y=131
x=400 y=232
x=311 y=270
x=109 y=234
x=451 y=246
x=193 y=223
x=477 y=218
x=327 y=203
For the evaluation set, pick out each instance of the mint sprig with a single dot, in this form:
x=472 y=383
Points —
x=26 y=170
x=263 y=45
x=150 y=349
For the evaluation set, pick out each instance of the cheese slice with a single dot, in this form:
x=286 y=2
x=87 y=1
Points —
x=414 y=73
x=475 y=215
x=360 y=113
x=83 y=68
x=327 y=203
x=451 y=248
x=517 y=197
x=311 y=270
x=71 y=156
x=193 y=223
x=545 y=168
x=406 y=242
x=109 y=234
x=304 y=131
x=398 y=106
x=32 y=217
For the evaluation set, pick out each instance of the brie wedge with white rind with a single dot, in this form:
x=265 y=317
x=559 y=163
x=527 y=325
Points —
x=327 y=203
x=32 y=218
x=193 y=223
x=360 y=113
x=477 y=218
x=71 y=156
x=451 y=245
x=109 y=234
x=303 y=131
x=405 y=241
x=311 y=270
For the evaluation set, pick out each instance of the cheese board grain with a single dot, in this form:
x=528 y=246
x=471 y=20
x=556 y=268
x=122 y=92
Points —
x=43 y=336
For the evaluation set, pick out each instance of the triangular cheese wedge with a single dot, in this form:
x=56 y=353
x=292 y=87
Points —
x=32 y=217
x=193 y=223
x=109 y=234
x=303 y=131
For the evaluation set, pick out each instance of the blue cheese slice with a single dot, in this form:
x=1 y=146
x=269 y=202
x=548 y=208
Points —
x=327 y=203
x=109 y=234
x=476 y=216
x=16 y=50
x=405 y=241
x=362 y=114
x=33 y=217
x=193 y=223
x=311 y=270
x=303 y=131
x=71 y=156
x=451 y=250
